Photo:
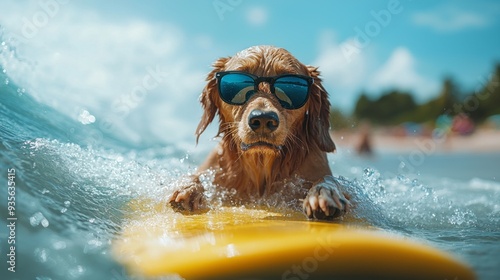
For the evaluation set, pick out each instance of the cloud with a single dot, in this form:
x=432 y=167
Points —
x=257 y=16
x=343 y=74
x=399 y=72
x=449 y=19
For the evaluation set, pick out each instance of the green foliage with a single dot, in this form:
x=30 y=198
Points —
x=444 y=103
x=396 y=107
x=485 y=101
x=390 y=108
x=339 y=120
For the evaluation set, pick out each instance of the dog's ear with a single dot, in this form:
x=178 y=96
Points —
x=209 y=97
x=318 y=116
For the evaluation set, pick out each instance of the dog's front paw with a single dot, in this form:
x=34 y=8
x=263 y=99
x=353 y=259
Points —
x=189 y=198
x=325 y=201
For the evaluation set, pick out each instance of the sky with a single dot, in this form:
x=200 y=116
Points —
x=133 y=61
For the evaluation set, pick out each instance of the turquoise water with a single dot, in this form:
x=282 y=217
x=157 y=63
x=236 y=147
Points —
x=73 y=178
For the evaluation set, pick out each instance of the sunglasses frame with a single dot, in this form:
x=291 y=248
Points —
x=257 y=80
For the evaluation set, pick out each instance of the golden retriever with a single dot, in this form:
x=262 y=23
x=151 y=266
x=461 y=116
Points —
x=274 y=126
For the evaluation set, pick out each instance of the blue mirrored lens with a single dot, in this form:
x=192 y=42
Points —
x=236 y=88
x=292 y=92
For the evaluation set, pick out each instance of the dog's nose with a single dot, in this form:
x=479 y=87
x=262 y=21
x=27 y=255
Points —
x=263 y=121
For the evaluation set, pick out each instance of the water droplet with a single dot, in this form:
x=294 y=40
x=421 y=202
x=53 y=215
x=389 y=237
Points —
x=77 y=271
x=402 y=178
x=6 y=81
x=38 y=219
x=40 y=255
x=416 y=184
x=93 y=244
x=58 y=245
x=86 y=118
x=402 y=165
x=45 y=223
x=35 y=219
x=368 y=172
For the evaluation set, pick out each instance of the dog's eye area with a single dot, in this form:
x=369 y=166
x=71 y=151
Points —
x=291 y=91
x=237 y=88
x=282 y=96
x=243 y=95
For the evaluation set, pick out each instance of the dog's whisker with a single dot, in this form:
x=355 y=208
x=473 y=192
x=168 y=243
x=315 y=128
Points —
x=294 y=141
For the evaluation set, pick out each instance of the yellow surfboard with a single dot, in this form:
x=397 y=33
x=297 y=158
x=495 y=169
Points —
x=240 y=243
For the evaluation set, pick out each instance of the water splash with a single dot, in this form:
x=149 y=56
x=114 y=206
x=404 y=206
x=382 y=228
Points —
x=409 y=203
x=106 y=181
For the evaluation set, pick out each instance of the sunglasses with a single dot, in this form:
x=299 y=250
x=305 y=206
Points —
x=236 y=88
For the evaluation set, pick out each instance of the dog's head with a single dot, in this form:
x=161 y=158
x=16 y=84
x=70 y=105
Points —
x=261 y=120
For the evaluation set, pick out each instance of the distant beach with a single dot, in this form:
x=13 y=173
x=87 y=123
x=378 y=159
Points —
x=482 y=140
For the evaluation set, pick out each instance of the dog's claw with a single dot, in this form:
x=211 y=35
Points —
x=325 y=202
x=188 y=199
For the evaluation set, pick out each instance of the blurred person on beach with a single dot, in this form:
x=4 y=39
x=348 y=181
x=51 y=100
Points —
x=364 y=147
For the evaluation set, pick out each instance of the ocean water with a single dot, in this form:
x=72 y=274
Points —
x=73 y=179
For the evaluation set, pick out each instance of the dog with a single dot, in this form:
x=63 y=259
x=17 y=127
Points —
x=274 y=127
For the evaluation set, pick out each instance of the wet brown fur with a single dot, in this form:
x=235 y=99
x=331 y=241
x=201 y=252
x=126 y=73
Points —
x=307 y=139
